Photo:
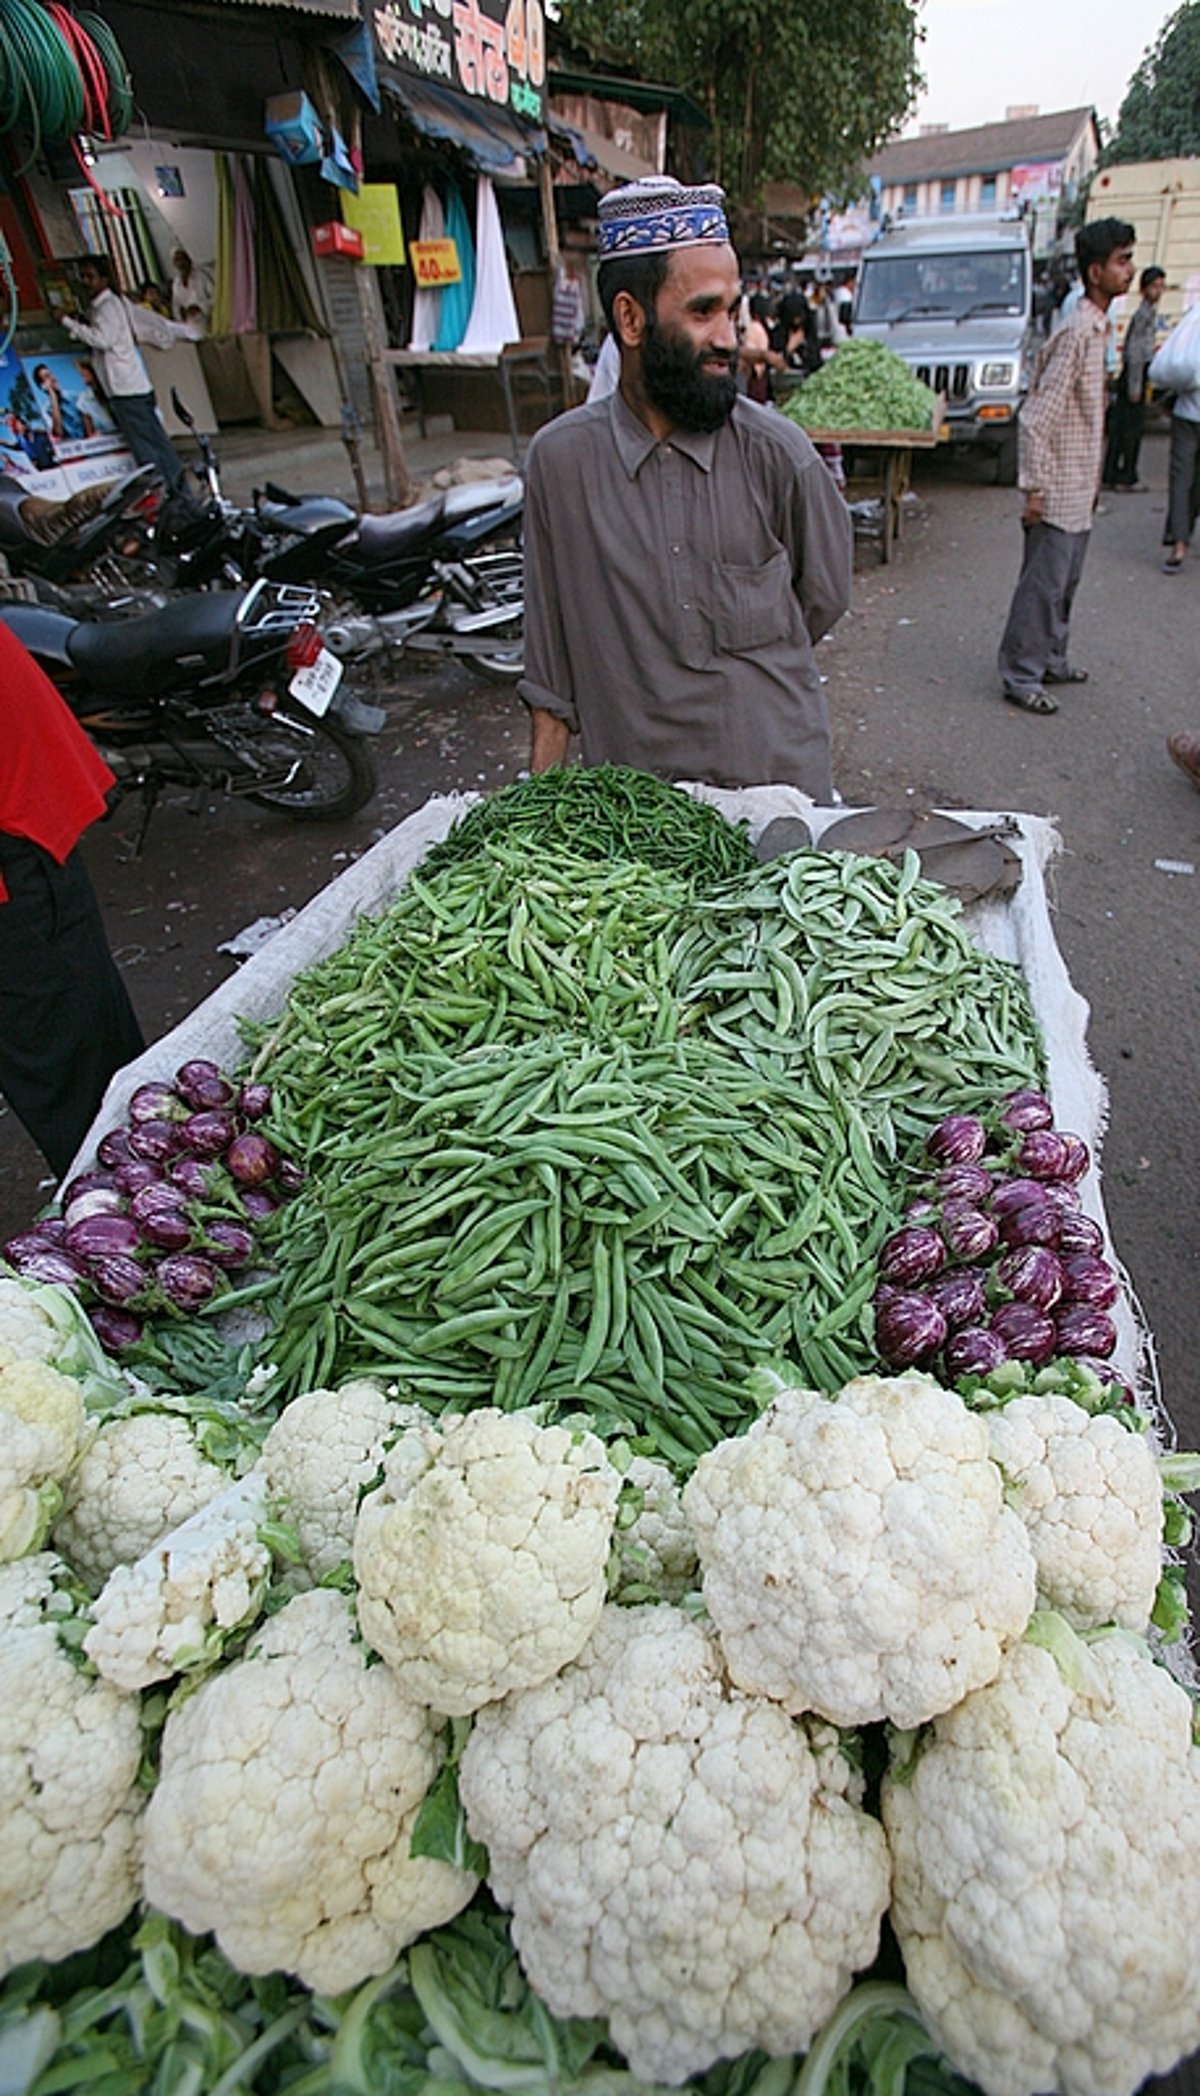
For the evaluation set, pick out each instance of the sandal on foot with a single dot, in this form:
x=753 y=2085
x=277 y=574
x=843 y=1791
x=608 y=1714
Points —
x=1069 y=675
x=1031 y=701
x=1171 y=566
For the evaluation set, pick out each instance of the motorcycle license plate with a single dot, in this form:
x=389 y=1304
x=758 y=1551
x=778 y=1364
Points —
x=314 y=687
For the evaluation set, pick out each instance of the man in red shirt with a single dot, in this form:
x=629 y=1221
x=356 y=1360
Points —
x=66 y=1022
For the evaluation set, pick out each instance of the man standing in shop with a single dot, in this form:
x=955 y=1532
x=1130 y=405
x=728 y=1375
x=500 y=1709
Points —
x=685 y=549
x=1061 y=435
x=130 y=396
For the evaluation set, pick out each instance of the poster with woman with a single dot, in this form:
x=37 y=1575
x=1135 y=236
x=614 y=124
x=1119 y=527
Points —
x=56 y=434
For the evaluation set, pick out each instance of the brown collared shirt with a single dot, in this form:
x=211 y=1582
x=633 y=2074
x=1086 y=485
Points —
x=674 y=592
x=1061 y=430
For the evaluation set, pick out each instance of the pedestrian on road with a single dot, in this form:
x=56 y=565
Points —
x=1176 y=368
x=1127 y=409
x=66 y=1022
x=1184 y=750
x=113 y=332
x=684 y=548
x=1061 y=449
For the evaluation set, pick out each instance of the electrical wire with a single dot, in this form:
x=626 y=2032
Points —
x=61 y=74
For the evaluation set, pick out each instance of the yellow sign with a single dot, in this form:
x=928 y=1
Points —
x=375 y=213
x=436 y=263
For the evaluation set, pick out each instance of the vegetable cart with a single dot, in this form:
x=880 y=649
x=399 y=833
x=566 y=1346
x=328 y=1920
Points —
x=578 y=1296
x=883 y=467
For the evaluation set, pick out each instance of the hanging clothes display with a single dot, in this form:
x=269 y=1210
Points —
x=457 y=299
x=493 y=320
x=284 y=302
x=427 y=304
x=220 y=321
x=244 y=315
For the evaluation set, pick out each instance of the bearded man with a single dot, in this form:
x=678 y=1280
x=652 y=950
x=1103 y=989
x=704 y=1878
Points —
x=685 y=548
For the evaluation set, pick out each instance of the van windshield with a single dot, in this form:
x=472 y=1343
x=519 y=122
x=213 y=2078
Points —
x=945 y=285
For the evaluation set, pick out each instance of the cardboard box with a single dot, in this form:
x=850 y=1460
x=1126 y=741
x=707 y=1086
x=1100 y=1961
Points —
x=334 y=238
x=294 y=128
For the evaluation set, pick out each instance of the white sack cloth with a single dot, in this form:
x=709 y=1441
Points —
x=493 y=319
x=426 y=303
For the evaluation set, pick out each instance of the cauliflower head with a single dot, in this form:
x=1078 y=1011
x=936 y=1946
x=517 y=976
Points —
x=1090 y=1495
x=481 y=1561
x=27 y=1331
x=655 y=1550
x=678 y=1856
x=320 y=1454
x=69 y=1803
x=1046 y=1875
x=171 y=1609
x=42 y=1430
x=141 y=1476
x=50 y=1402
x=858 y=1558
x=283 y=1814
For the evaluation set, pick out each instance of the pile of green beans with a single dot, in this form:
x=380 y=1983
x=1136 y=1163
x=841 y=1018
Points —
x=612 y=1230
x=861 y=979
x=578 y=1135
x=507 y=947
x=609 y=812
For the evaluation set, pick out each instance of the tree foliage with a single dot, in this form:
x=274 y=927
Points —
x=803 y=93
x=1159 y=118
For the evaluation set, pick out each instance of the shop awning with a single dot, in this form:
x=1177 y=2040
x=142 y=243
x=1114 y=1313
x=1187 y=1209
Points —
x=486 y=134
x=615 y=160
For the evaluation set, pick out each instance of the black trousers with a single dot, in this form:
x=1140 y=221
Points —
x=1183 y=481
x=1126 y=419
x=66 y=1022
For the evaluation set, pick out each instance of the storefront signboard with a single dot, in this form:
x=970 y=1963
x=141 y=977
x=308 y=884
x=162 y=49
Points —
x=375 y=213
x=435 y=263
x=494 y=50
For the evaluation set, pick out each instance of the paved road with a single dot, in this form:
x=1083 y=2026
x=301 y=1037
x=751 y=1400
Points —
x=917 y=717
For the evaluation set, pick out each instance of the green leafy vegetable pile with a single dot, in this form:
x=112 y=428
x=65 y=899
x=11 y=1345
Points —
x=863 y=386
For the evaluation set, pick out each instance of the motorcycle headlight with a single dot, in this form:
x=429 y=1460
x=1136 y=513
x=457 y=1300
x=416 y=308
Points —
x=997 y=375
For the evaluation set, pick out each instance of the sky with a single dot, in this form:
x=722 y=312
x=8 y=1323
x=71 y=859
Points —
x=981 y=56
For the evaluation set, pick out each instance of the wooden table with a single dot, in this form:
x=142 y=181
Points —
x=891 y=473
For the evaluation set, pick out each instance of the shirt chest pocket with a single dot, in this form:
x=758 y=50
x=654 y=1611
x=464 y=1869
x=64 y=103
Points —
x=752 y=607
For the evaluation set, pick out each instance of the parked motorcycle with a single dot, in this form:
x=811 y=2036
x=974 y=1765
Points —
x=77 y=551
x=231 y=692
x=443 y=578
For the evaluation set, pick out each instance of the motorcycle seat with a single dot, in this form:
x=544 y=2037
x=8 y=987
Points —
x=139 y=658
x=379 y=538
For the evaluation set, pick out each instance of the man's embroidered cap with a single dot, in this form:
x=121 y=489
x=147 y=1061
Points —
x=657 y=213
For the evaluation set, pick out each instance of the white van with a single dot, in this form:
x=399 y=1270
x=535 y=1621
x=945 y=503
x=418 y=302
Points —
x=953 y=296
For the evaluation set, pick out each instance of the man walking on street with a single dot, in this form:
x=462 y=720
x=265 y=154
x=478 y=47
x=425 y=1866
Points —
x=684 y=548
x=1061 y=434
x=1127 y=413
x=126 y=381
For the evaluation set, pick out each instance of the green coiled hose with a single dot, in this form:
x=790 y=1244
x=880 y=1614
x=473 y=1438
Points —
x=60 y=74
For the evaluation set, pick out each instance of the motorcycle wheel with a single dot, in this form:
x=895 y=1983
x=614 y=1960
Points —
x=499 y=578
x=323 y=772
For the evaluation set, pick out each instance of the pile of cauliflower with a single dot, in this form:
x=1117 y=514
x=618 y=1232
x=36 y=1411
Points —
x=401 y=1653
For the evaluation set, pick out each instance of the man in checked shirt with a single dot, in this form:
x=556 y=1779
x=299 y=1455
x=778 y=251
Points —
x=1061 y=436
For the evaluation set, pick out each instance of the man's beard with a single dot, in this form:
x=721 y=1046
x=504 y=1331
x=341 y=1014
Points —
x=679 y=387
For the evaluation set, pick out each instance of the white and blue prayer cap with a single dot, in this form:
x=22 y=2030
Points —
x=656 y=213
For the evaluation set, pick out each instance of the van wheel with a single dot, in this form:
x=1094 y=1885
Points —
x=1006 y=462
